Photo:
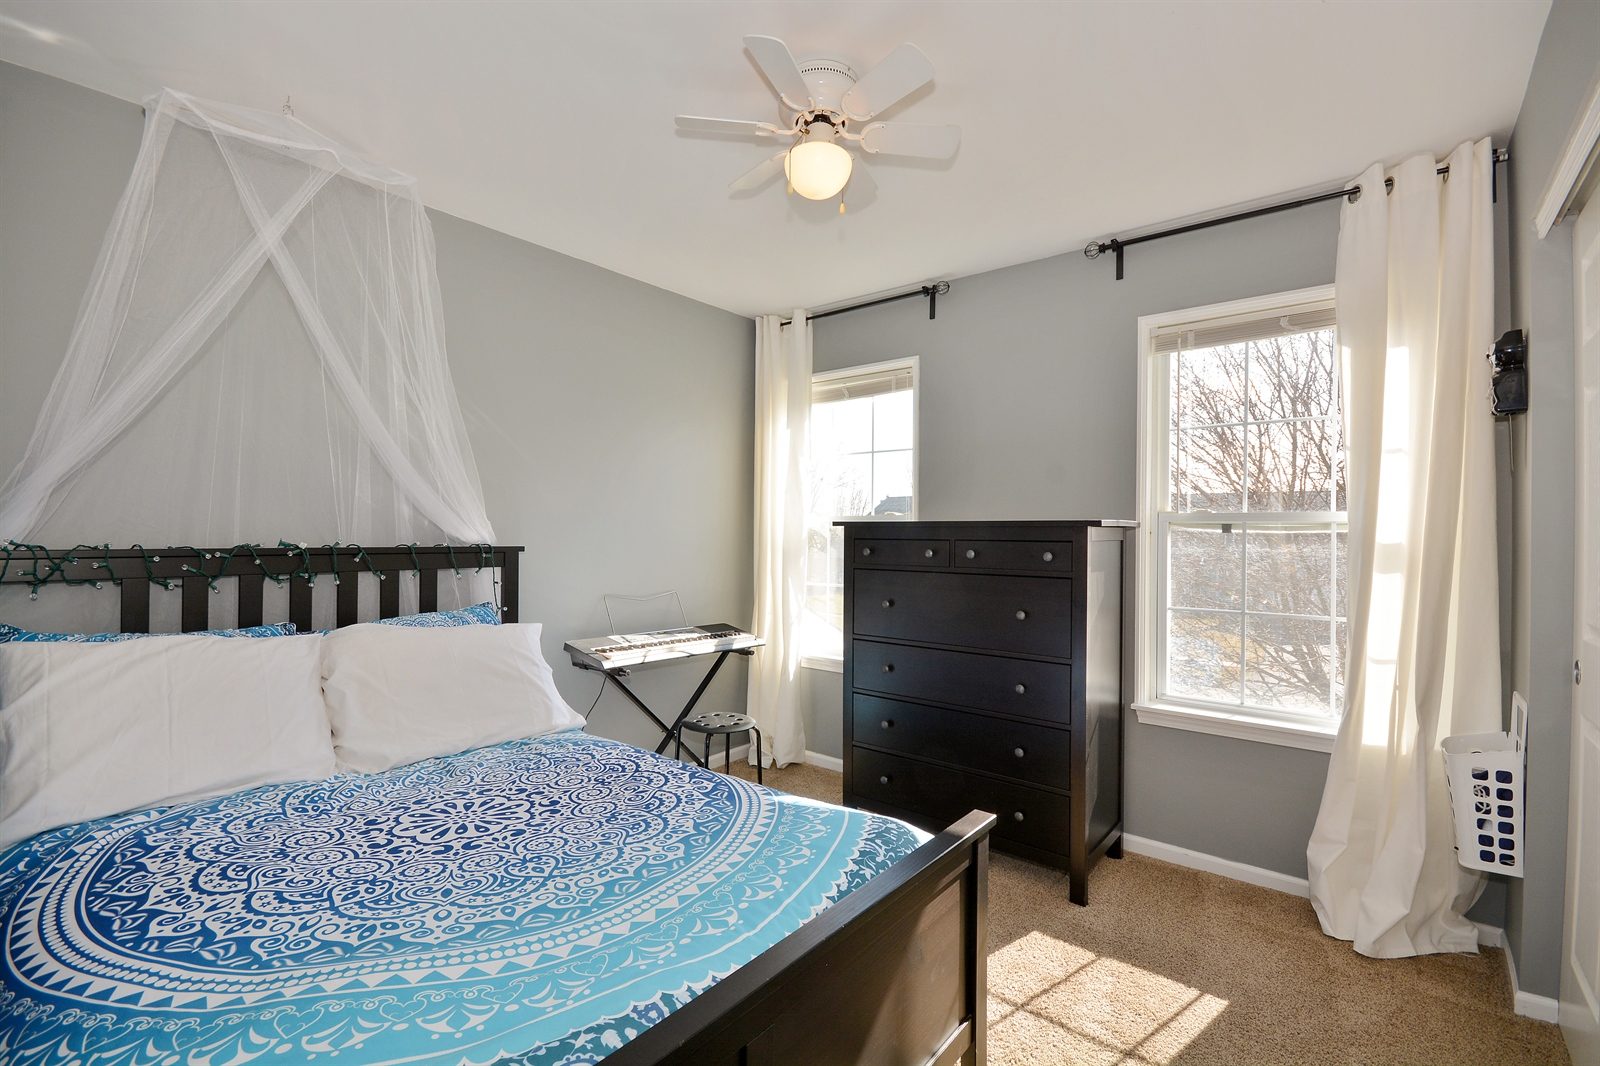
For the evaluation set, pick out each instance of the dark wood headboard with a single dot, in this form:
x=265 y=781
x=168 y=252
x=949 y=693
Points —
x=134 y=569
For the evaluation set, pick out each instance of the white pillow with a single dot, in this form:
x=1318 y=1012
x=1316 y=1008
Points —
x=397 y=694
x=89 y=730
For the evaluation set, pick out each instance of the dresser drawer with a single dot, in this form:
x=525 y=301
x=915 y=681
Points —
x=1035 y=754
x=933 y=553
x=985 y=682
x=1036 y=556
x=1028 y=615
x=1026 y=815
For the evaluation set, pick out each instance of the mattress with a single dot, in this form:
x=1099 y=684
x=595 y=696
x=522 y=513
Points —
x=536 y=902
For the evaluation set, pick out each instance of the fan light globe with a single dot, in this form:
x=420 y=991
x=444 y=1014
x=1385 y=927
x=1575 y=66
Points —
x=817 y=169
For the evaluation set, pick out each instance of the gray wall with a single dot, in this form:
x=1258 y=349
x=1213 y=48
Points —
x=1028 y=410
x=583 y=391
x=1567 y=65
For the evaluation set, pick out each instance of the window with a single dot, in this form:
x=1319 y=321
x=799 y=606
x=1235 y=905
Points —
x=863 y=465
x=1243 y=523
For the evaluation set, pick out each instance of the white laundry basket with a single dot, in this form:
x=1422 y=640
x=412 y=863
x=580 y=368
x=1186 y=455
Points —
x=1486 y=774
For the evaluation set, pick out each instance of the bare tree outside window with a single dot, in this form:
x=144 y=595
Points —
x=1254 y=525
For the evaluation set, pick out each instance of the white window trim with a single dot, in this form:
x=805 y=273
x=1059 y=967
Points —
x=833 y=662
x=1238 y=723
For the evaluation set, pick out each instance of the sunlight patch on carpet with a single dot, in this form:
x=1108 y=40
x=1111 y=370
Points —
x=1056 y=1002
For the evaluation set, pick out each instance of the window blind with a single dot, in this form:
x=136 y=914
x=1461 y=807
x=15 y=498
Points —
x=855 y=386
x=1238 y=330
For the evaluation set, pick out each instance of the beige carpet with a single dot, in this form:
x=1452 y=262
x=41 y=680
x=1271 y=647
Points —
x=1170 y=965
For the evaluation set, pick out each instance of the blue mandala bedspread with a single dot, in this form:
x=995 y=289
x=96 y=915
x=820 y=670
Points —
x=537 y=902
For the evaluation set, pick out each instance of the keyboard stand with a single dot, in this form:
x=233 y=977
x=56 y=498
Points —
x=668 y=732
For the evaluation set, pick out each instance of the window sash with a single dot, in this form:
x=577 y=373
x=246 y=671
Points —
x=1241 y=329
x=832 y=387
x=1329 y=522
x=1162 y=344
x=853 y=383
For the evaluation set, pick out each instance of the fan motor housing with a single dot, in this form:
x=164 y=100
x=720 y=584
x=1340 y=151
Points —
x=828 y=80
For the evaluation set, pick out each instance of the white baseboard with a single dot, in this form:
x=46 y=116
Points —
x=741 y=753
x=1199 y=860
x=1526 y=1004
x=1490 y=936
x=825 y=762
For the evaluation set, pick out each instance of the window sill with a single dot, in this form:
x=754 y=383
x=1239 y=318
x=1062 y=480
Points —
x=1311 y=736
x=833 y=664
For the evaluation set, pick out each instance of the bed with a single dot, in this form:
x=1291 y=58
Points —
x=557 y=900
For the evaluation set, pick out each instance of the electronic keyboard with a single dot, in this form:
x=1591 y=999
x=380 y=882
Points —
x=618 y=651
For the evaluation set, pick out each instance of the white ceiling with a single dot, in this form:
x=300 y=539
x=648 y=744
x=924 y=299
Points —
x=552 y=121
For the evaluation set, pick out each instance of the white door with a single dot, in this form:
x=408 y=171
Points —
x=1580 y=941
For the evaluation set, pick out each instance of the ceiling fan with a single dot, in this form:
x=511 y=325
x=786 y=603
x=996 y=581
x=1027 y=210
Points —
x=826 y=111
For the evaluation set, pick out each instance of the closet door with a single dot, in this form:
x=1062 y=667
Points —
x=1580 y=946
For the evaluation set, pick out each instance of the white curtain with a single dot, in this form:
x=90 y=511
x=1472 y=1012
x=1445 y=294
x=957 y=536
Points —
x=783 y=415
x=1415 y=290
x=260 y=354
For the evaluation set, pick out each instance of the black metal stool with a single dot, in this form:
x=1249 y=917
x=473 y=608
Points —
x=726 y=723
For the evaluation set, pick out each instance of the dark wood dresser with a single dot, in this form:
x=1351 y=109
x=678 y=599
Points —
x=983 y=669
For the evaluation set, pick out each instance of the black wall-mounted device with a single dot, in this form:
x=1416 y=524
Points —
x=1508 y=374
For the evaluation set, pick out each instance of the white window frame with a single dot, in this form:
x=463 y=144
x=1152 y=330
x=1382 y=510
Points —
x=1149 y=646
x=833 y=662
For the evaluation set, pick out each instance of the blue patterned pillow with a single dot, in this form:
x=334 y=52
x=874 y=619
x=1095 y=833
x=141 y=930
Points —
x=12 y=634
x=479 y=614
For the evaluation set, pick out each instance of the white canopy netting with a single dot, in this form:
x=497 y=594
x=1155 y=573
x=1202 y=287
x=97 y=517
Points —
x=260 y=355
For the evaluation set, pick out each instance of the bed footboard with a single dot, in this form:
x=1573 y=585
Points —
x=893 y=975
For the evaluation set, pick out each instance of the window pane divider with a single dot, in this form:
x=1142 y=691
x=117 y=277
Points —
x=1258 y=614
x=1258 y=518
x=1187 y=427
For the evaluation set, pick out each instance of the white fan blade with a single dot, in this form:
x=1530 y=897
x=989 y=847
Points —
x=759 y=174
x=741 y=126
x=907 y=138
x=902 y=73
x=782 y=72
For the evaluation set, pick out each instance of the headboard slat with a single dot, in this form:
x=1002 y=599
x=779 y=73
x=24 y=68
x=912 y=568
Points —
x=347 y=595
x=428 y=591
x=196 y=608
x=389 y=595
x=251 y=594
x=300 y=603
x=135 y=605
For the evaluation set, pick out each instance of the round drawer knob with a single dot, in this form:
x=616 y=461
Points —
x=1020 y=689
x=888 y=668
x=972 y=553
x=888 y=603
x=866 y=551
x=1018 y=752
x=887 y=724
x=1022 y=616
x=884 y=780
x=1016 y=816
x=1049 y=557
x=927 y=553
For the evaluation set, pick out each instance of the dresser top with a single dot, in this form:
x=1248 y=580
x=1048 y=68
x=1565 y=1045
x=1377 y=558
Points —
x=988 y=523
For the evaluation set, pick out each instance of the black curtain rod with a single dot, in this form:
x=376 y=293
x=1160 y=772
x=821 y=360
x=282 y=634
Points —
x=1095 y=249
x=932 y=292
